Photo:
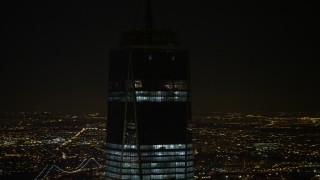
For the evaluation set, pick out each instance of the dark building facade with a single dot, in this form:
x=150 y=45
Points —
x=149 y=108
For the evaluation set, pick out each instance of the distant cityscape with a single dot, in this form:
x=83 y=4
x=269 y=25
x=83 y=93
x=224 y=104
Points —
x=226 y=145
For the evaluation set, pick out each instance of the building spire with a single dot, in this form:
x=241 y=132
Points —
x=149 y=16
x=148 y=34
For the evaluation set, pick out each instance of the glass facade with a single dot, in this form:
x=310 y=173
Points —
x=149 y=109
x=149 y=96
x=169 y=161
x=148 y=114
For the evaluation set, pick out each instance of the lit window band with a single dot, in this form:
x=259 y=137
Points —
x=167 y=161
x=150 y=96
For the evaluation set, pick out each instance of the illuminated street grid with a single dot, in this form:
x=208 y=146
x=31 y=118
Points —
x=226 y=145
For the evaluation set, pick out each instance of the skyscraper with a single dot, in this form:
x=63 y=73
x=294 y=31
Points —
x=149 y=107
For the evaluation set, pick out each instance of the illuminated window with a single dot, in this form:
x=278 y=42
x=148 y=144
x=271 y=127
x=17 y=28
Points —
x=156 y=161
x=180 y=176
x=176 y=84
x=168 y=85
x=181 y=85
x=138 y=84
x=149 y=96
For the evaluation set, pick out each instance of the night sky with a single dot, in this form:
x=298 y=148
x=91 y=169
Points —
x=245 y=56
